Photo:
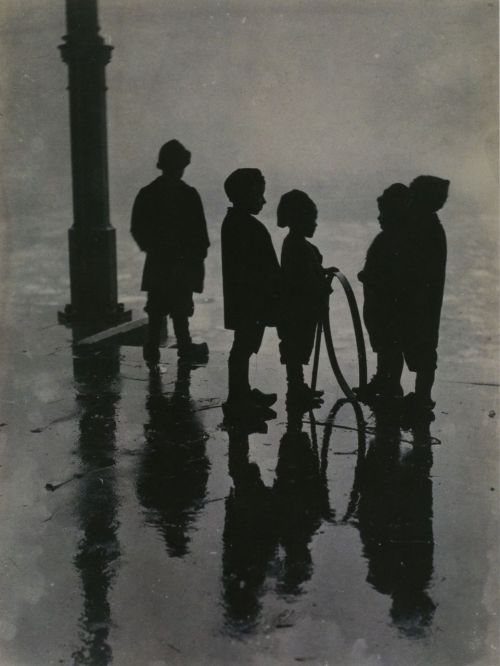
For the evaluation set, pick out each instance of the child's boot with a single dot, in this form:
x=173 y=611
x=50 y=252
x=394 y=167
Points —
x=418 y=406
x=299 y=393
x=240 y=405
x=186 y=348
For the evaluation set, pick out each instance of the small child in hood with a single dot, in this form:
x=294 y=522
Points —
x=383 y=289
x=425 y=255
x=304 y=290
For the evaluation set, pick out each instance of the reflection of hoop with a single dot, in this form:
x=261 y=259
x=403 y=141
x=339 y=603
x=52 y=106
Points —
x=327 y=434
x=323 y=327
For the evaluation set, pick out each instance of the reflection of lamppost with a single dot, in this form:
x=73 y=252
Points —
x=92 y=242
x=98 y=552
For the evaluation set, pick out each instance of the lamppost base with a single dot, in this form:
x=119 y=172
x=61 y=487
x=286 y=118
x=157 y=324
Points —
x=72 y=317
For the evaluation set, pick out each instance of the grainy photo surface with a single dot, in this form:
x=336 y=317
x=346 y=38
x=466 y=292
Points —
x=249 y=332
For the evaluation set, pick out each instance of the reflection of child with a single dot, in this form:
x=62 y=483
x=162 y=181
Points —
x=383 y=290
x=303 y=292
x=425 y=255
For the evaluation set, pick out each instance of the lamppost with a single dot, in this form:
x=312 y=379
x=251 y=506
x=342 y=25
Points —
x=92 y=239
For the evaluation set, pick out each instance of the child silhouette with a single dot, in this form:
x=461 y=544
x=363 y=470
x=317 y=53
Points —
x=425 y=257
x=168 y=224
x=384 y=291
x=304 y=290
x=250 y=276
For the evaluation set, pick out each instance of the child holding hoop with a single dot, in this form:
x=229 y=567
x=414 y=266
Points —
x=304 y=290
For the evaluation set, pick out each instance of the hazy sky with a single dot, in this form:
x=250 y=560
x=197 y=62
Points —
x=340 y=98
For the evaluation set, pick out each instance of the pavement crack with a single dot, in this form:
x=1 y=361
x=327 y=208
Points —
x=49 y=518
x=59 y=419
x=172 y=647
x=205 y=407
x=458 y=381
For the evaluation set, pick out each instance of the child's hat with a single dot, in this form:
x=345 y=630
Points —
x=173 y=155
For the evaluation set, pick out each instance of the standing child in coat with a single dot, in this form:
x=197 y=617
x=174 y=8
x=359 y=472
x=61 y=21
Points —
x=425 y=256
x=168 y=224
x=304 y=291
x=250 y=277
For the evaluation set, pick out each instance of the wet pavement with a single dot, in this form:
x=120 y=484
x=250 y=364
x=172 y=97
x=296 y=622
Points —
x=137 y=529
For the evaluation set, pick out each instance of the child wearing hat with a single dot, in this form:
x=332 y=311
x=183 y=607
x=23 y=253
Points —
x=304 y=290
x=168 y=224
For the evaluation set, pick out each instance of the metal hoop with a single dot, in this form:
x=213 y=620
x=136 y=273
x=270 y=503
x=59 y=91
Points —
x=323 y=327
x=360 y=455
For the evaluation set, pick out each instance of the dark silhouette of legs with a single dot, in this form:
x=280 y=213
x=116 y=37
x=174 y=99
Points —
x=241 y=398
x=386 y=383
x=393 y=368
x=186 y=348
x=299 y=392
x=238 y=366
x=294 y=375
x=180 y=311
x=181 y=330
x=424 y=382
x=423 y=361
x=151 y=349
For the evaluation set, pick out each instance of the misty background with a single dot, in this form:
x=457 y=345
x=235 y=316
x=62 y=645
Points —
x=340 y=98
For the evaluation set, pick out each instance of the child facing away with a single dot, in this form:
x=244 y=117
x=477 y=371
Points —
x=383 y=278
x=304 y=290
x=250 y=277
x=425 y=255
x=169 y=225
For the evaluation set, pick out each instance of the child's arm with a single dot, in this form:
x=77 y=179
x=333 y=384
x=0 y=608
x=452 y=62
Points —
x=199 y=241
x=141 y=226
